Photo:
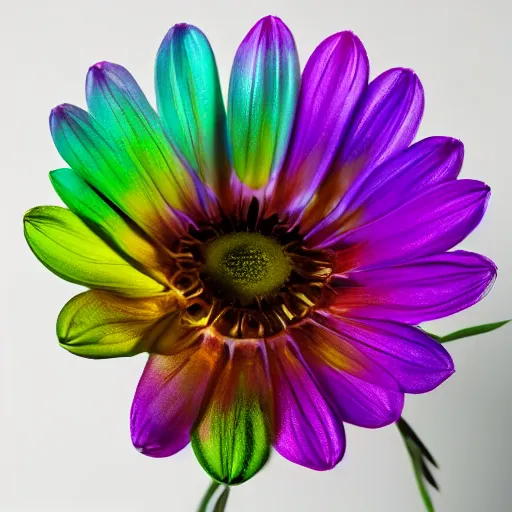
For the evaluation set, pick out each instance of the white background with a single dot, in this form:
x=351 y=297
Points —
x=64 y=420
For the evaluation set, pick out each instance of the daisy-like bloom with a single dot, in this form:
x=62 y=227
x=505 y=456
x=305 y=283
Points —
x=275 y=261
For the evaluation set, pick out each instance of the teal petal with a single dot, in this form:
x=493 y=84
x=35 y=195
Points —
x=90 y=151
x=116 y=101
x=190 y=103
x=262 y=99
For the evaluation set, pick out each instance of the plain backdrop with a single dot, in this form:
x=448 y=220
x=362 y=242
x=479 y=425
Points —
x=64 y=420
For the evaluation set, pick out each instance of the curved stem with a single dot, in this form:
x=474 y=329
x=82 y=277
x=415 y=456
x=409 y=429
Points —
x=210 y=500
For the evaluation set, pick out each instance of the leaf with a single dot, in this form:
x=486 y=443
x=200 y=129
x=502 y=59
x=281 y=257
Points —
x=213 y=501
x=471 y=331
x=420 y=458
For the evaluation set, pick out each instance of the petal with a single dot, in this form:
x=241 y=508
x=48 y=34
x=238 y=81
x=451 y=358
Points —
x=116 y=101
x=385 y=122
x=416 y=361
x=308 y=433
x=340 y=353
x=333 y=80
x=232 y=439
x=169 y=397
x=190 y=103
x=431 y=223
x=109 y=223
x=94 y=155
x=354 y=400
x=429 y=162
x=425 y=289
x=99 y=324
x=262 y=96
x=67 y=247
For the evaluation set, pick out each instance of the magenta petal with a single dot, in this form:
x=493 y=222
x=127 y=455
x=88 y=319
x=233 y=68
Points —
x=356 y=401
x=416 y=361
x=307 y=432
x=370 y=398
x=422 y=290
x=428 y=162
x=430 y=223
x=333 y=80
x=169 y=397
x=386 y=120
x=378 y=191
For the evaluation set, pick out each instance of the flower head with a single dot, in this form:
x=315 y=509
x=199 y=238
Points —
x=275 y=261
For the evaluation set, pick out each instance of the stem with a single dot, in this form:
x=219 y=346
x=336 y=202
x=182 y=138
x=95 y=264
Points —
x=209 y=500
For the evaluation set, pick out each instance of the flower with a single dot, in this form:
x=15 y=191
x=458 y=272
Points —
x=274 y=262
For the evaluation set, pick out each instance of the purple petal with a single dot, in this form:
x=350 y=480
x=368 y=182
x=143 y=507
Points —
x=422 y=290
x=340 y=353
x=385 y=122
x=333 y=80
x=416 y=361
x=431 y=223
x=169 y=397
x=308 y=433
x=377 y=192
x=363 y=394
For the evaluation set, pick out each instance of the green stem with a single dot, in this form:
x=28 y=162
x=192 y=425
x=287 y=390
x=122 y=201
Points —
x=208 y=496
x=210 y=500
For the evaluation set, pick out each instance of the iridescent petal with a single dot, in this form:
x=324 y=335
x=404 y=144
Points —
x=67 y=247
x=384 y=123
x=353 y=399
x=416 y=361
x=386 y=120
x=333 y=80
x=169 y=397
x=375 y=193
x=190 y=103
x=99 y=324
x=307 y=431
x=94 y=155
x=232 y=439
x=430 y=223
x=262 y=96
x=108 y=222
x=118 y=104
x=340 y=353
x=424 y=289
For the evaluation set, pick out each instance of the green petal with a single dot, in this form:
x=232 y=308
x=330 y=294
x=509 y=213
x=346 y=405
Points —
x=94 y=155
x=109 y=223
x=190 y=103
x=262 y=98
x=67 y=247
x=99 y=324
x=232 y=439
x=117 y=102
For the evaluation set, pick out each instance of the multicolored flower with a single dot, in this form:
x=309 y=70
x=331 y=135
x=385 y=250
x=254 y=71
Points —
x=274 y=262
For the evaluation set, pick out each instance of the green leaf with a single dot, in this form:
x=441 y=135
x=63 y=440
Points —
x=471 y=331
x=213 y=501
x=420 y=458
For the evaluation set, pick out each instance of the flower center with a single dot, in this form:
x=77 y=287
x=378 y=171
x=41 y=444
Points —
x=248 y=276
x=247 y=265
